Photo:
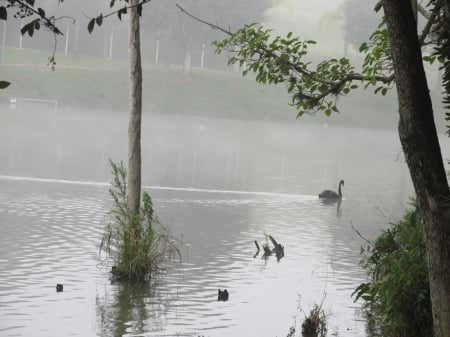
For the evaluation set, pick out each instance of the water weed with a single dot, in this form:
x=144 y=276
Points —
x=139 y=244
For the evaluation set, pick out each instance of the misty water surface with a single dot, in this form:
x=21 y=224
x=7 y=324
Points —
x=219 y=185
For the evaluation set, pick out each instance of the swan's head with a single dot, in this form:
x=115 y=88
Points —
x=341 y=182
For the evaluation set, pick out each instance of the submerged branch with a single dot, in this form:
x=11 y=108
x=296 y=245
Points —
x=211 y=25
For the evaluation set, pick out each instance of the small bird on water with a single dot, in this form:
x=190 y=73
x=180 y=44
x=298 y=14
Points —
x=223 y=295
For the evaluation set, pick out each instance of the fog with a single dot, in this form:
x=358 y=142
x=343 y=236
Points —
x=225 y=160
x=317 y=20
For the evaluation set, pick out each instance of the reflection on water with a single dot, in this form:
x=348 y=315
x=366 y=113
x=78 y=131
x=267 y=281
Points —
x=219 y=188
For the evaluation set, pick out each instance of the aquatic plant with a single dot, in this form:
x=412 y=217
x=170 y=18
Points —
x=139 y=244
x=315 y=324
x=397 y=297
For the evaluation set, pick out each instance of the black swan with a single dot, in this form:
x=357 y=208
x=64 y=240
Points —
x=332 y=196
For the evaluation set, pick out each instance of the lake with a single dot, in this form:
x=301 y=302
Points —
x=219 y=185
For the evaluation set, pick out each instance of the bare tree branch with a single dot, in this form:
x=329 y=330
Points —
x=213 y=26
x=143 y=2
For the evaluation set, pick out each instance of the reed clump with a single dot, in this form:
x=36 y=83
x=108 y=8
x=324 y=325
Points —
x=140 y=245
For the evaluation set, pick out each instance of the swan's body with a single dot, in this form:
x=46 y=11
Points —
x=332 y=196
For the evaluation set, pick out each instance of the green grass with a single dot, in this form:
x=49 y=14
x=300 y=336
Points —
x=98 y=83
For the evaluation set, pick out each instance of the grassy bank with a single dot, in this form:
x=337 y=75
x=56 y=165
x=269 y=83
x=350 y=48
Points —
x=103 y=84
x=100 y=83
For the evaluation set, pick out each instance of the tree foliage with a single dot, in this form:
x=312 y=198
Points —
x=398 y=293
x=313 y=87
x=22 y=9
x=116 y=9
x=316 y=86
x=28 y=9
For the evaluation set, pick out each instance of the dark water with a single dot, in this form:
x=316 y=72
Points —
x=219 y=185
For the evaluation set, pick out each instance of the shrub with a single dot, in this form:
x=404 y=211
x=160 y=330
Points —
x=397 y=296
x=139 y=243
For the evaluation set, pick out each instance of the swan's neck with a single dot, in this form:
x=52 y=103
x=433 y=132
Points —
x=339 y=190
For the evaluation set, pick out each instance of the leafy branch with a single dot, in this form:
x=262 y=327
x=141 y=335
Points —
x=121 y=11
x=282 y=60
x=27 y=9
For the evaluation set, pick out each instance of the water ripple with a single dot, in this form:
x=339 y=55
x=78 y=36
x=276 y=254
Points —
x=52 y=236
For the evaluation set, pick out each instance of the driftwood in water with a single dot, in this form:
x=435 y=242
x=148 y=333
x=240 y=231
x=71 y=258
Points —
x=257 y=247
x=277 y=249
x=267 y=251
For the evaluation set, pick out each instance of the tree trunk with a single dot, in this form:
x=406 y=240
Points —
x=134 y=123
x=420 y=145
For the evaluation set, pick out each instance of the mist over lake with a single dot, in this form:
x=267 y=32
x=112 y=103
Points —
x=219 y=184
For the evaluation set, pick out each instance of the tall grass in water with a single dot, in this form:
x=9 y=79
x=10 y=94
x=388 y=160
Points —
x=139 y=244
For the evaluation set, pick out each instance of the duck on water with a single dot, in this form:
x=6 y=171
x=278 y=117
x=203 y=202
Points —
x=332 y=196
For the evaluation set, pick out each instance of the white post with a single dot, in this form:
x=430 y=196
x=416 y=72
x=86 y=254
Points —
x=67 y=39
x=111 y=43
x=2 y=55
x=203 y=56
x=105 y=45
x=20 y=34
x=157 y=52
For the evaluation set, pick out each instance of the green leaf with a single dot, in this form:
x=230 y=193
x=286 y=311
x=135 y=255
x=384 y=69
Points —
x=99 y=19
x=29 y=28
x=120 y=12
x=3 y=13
x=363 y=47
x=91 y=25
x=429 y=59
x=4 y=84
x=41 y=12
